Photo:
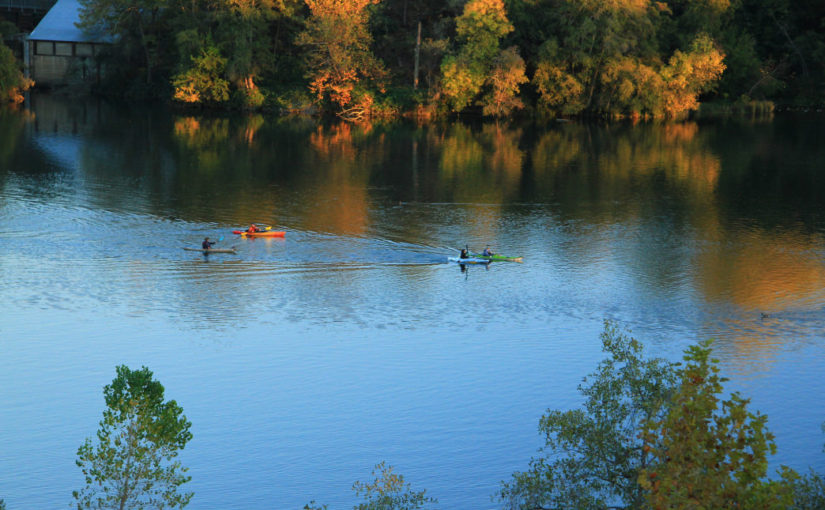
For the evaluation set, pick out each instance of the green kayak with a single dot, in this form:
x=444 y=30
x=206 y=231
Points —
x=497 y=258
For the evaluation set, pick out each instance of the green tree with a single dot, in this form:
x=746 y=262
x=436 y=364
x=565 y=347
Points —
x=143 y=35
x=386 y=492
x=132 y=465
x=593 y=456
x=479 y=61
x=203 y=82
x=707 y=453
x=389 y=492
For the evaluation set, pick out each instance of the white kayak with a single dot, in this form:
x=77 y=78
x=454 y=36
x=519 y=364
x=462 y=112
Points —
x=470 y=260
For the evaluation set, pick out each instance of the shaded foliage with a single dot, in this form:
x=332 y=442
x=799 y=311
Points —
x=12 y=81
x=592 y=456
x=710 y=452
x=387 y=491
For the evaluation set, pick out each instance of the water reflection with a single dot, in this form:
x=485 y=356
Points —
x=664 y=209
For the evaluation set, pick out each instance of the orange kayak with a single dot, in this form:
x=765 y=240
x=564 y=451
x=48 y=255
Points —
x=260 y=233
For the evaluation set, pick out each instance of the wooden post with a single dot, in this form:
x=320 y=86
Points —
x=417 y=53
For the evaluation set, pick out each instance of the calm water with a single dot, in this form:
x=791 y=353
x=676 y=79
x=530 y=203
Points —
x=303 y=362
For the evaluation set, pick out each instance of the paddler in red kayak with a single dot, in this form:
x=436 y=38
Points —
x=206 y=244
x=252 y=229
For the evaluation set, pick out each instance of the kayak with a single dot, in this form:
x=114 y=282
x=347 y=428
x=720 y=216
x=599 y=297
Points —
x=497 y=257
x=260 y=233
x=471 y=260
x=212 y=250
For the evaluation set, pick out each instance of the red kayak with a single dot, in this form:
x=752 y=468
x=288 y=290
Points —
x=260 y=233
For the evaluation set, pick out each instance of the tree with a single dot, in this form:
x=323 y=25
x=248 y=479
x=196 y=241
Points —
x=12 y=81
x=504 y=80
x=480 y=62
x=132 y=464
x=141 y=30
x=688 y=74
x=710 y=453
x=593 y=456
x=386 y=492
x=389 y=492
x=203 y=82
x=338 y=56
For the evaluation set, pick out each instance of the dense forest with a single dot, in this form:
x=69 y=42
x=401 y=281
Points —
x=549 y=58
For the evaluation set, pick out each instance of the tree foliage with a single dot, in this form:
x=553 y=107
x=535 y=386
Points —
x=141 y=31
x=387 y=491
x=710 y=453
x=132 y=463
x=338 y=56
x=12 y=81
x=606 y=58
x=593 y=455
x=654 y=434
x=203 y=82
x=479 y=62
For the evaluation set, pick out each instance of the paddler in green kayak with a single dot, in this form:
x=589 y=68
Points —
x=487 y=252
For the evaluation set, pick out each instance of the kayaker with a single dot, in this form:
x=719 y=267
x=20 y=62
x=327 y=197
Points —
x=464 y=254
x=206 y=244
x=252 y=228
x=487 y=252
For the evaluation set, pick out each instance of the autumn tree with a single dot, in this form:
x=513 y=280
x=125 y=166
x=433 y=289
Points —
x=12 y=81
x=690 y=73
x=131 y=465
x=709 y=452
x=505 y=78
x=341 y=68
x=593 y=455
x=480 y=62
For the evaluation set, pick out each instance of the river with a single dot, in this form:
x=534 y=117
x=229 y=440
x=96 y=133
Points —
x=303 y=362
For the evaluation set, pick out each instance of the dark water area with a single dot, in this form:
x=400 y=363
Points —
x=304 y=361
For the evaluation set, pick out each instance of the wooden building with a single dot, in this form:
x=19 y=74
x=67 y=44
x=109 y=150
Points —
x=59 y=53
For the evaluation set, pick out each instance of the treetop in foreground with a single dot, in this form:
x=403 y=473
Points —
x=132 y=464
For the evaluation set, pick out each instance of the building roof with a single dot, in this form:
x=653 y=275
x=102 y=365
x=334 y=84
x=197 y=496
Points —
x=59 y=25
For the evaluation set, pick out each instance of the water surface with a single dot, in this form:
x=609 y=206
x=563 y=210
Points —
x=304 y=361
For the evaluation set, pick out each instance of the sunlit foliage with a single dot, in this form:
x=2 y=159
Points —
x=607 y=58
x=203 y=82
x=338 y=56
x=479 y=62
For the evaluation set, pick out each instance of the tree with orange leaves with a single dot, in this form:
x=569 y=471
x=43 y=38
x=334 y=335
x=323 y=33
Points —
x=341 y=68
